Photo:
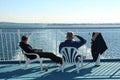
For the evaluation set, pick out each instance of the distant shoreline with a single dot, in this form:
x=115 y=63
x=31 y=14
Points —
x=64 y=23
x=12 y=25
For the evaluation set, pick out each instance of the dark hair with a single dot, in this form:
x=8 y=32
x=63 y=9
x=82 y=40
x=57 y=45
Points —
x=24 y=38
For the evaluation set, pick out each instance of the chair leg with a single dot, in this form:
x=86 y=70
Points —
x=81 y=61
x=26 y=64
x=81 y=64
x=41 y=68
x=77 y=67
x=63 y=66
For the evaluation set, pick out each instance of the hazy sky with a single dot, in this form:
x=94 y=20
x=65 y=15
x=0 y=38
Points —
x=60 y=11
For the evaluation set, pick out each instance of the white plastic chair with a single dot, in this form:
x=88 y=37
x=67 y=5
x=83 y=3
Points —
x=70 y=54
x=27 y=60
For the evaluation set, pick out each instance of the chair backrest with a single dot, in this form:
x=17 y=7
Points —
x=23 y=52
x=69 y=54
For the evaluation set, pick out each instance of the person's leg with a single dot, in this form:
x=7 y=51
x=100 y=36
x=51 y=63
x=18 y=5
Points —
x=95 y=56
x=97 y=63
x=31 y=56
x=51 y=56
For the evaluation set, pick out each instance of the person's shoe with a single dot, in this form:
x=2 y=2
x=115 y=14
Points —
x=97 y=65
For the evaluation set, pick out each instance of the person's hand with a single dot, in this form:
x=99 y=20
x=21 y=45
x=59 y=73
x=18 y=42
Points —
x=35 y=50
x=40 y=50
x=75 y=35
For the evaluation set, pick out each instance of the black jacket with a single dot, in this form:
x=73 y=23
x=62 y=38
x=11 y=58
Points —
x=26 y=47
x=98 y=45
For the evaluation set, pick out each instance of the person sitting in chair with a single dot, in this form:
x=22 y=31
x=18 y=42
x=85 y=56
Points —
x=28 y=49
x=69 y=42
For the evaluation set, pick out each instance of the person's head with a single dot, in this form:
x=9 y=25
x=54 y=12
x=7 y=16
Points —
x=70 y=35
x=24 y=39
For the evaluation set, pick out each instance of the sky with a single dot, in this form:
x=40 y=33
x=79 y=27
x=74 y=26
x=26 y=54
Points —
x=60 y=11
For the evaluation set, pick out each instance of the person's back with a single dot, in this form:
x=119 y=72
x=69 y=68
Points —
x=69 y=42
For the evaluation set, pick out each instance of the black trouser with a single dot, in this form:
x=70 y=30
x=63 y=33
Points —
x=47 y=55
x=95 y=55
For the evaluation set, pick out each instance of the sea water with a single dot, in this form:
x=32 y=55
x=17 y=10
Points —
x=48 y=38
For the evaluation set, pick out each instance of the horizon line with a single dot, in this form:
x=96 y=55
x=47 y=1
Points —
x=59 y=22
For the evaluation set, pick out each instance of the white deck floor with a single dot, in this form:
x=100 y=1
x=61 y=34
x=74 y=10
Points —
x=107 y=71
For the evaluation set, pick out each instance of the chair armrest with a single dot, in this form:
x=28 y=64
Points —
x=32 y=54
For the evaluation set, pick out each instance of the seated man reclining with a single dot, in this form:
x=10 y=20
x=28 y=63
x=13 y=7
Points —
x=28 y=49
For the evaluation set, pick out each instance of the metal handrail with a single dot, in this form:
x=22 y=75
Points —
x=8 y=50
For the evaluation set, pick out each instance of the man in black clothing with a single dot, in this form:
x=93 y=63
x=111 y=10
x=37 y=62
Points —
x=27 y=48
x=98 y=46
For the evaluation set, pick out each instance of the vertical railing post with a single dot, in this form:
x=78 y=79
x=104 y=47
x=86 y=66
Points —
x=11 y=51
x=2 y=45
x=6 y=46
x=56 y=42
x=18 y=31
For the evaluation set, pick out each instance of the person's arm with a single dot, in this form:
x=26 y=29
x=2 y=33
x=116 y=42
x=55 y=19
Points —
x=38 y=50
x=81 y=39
x=81 y=42
x=26 y=47
x=29 y=49
x=60 y=46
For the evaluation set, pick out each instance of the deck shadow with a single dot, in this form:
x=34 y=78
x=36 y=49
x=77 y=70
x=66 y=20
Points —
x=58 y=75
